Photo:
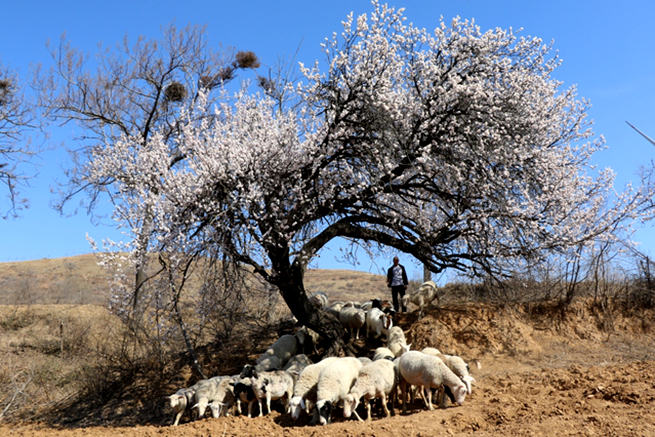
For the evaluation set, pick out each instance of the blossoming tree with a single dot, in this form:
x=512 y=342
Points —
x=456 y=146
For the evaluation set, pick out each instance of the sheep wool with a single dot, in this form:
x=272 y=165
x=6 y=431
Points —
x=426 y=372
x=334 y=383
x=304 y=390
x=375 y=380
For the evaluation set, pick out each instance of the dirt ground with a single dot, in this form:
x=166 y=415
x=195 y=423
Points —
x=566 y=380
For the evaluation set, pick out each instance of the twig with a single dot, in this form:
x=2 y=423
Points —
x=13 y=398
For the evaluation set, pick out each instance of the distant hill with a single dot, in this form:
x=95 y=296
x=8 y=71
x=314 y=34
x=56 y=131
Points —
x=79 y=280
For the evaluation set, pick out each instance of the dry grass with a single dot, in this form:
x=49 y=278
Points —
x=79 y=280
x=55 y=328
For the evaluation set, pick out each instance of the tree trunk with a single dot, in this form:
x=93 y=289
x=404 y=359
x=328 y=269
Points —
x=290 y=284
x=427 y=274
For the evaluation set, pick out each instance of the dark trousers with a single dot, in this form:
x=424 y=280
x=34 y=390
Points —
x=397 y=293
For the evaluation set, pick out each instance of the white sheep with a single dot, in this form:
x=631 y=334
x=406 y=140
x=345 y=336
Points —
x=271 y=385
x=304 y=392
x=375 y=380
x=353 y=319
x=214 y=390
x=456 y=364
x=276 y=356
x=334 y=383
x=423 y=296
x=426 y=372
x=378 y=323
x=396 y=341
x=179 y=401
x=383 y=353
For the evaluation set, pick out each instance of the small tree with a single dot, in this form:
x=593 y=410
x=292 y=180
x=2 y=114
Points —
x=16 y=118
x=133 y=90
x=457 y=147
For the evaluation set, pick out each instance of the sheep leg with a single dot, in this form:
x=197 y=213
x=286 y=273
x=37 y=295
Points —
x=403 y=390
x=368 y=410
x=357 y=415
x=250 y=403
x=261 y=410
x=424 y=396
x=268 y=402
x=429 y=397
x=177 y=417
x=384 y=405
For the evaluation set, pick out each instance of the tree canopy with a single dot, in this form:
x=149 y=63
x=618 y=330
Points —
x=456 y=146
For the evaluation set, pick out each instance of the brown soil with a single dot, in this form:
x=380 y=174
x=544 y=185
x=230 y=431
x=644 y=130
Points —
x=586 y=373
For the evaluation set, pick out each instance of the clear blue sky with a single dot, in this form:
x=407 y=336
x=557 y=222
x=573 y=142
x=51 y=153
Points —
x=608 y=50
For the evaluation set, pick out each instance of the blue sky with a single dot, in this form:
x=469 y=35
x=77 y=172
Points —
x=607 y=48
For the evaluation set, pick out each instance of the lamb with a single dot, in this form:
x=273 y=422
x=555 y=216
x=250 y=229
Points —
x=396 y=341
x=304 y=392
x=353 y=319
x=375 y=380
x=426 y=372
x=378 y=323
x=269 y=385
x=425 y=294
x=278 y=354
x=334 y=383
x=383 y=353
x=180 y=401
x=456 y=364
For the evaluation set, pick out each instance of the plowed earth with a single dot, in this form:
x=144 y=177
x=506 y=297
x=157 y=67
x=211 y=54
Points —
x=540 y=375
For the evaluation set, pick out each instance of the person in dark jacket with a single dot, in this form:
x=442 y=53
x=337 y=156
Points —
x=397 y=280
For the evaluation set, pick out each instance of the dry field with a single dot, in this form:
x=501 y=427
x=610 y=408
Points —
x=586 y=372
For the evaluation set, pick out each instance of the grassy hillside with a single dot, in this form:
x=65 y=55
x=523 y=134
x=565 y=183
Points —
x=79 y=280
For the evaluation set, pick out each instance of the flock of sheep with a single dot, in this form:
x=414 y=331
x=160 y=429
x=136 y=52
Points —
x=316 y=389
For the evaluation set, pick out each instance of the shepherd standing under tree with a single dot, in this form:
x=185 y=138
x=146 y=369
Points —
x=397 y=280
